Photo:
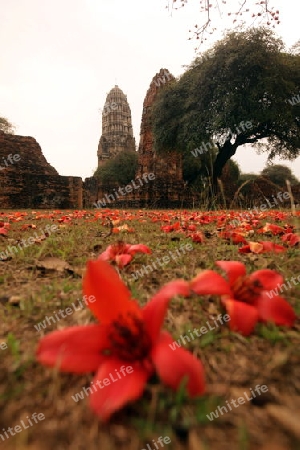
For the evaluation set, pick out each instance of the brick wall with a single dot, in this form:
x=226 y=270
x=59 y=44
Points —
x=27 y=180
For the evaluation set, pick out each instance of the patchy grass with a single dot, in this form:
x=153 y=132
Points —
x=34 y=285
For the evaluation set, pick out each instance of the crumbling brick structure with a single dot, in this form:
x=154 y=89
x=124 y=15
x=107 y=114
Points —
x=27 y=180
x=167 y=188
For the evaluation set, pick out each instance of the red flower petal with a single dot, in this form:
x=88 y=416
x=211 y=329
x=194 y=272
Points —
x=243 y=317
x=106 y=255
x=291 y=238
x=174 y=365
x=118 y=390
x=197 y=237
x=112 y=296
x=271 y=228
x=257 y=247
x=244 y=249
x=154 y=311
x=268 y=279
x=139 y=248
x=233 y=269
x=235 y=237
x=262 y=247
x=275 y=309
x=74 y=349
x=269 y=246
x=210 y=282
x=123 y=260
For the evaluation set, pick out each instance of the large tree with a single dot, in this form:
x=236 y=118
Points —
x=278 y=174
x=237 y=94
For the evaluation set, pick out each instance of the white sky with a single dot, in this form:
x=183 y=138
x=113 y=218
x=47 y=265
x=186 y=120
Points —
x=59 y=60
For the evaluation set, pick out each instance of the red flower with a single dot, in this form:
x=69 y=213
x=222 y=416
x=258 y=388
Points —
x=168 y=228
x=197 y=237
x=291 y=239
x=122 y=253
x=4 y=227
x=28 y=225
x=270 y=228
x=262 y=247
x=127 y=335
x=235 y=237
x=247 y=298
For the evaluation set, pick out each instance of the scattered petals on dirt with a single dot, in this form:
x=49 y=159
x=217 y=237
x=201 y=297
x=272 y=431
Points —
x=40 y=302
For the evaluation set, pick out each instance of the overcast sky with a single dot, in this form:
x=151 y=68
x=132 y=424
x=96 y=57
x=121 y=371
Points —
x=59 y=60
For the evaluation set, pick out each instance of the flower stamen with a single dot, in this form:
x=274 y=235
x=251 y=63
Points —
x=128 y=338
x=247 y=290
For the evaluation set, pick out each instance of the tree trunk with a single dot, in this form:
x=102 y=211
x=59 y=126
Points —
x=224 y=154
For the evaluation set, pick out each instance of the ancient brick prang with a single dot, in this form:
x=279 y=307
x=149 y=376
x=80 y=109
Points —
x=167 y=168
x=117 y=133
x=166 y=190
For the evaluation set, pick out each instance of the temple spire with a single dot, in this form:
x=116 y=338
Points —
x=117 y=133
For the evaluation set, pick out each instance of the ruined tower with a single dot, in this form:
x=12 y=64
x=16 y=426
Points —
x=117 y=133
x=168 y=167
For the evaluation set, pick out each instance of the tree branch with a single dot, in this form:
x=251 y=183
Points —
x=259 y=11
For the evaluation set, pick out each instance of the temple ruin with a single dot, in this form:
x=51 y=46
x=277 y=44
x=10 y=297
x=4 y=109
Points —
x=27 y=180
x=117 y=133
x=167 y=188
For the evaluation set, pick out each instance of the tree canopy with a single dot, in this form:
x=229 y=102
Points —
x=6 y=126
x=278 y=174
x=121 y=169
x=237 y=94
